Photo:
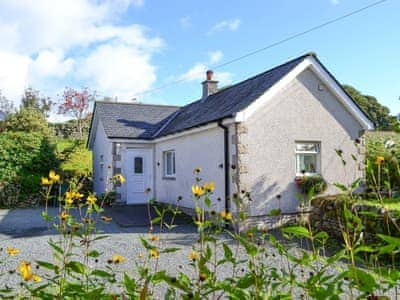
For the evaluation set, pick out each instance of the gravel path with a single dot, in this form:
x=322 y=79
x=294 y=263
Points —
x=25 y=230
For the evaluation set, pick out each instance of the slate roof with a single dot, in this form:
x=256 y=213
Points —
x=132 y=120
x=143 y=121
x=226 y=102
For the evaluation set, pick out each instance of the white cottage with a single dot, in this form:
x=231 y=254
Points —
x=256 y=135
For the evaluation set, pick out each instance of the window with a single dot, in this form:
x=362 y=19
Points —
x=169 y=163
x=138 y=165
x=307 y=158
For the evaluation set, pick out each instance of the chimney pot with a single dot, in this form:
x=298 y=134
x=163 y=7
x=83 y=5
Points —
x=210 y=86
x=210 y=74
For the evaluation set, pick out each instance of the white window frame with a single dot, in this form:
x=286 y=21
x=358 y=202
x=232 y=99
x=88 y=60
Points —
x=317 y=153
x=166 y=161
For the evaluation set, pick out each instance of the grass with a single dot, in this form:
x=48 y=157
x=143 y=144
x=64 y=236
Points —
x=392 y=204
x=75 y=158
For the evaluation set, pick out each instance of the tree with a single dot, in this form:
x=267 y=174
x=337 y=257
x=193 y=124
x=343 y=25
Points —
x=6 y=105
x=379 y=113
x=28 y=120
x=76 y=103
x=33 y=99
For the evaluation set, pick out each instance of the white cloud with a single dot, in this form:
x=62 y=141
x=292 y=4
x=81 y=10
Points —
x=51 y=63
x=185 y=22
x=231 y=25
x=120 y=70
x=215 y=56
x=13 y=74
x=74 y=41
x=198 y=71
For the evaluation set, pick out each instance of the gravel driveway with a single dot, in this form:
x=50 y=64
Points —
x=25 y=230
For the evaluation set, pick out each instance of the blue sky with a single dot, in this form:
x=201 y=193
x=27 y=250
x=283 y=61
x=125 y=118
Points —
x=124 y=47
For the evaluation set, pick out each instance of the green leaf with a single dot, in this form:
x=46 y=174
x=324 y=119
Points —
x=94 y=253
x=245 y=282
x=207 y=201
x=130 y=284
x=48 y=266
x=156 y=220
x=55 y=247
x=298 y=231
x=394 y=241
x=170 y=250
x=355 y=184
x=274 y=212
x=101 y=273
x=76 y=266
x=341 y=187
x=227 y=252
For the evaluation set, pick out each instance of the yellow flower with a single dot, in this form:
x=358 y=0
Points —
x=13 y=251
x=154 y=253
x=209 y=186
x=64 y=215
x=91 y=199
x=379 y=160
x=55 y=178
x=119 y=177
x=154 y=238
x=106 y=219
x=69 y=197
x=46 y=181
x=197 y=190
x=197 y=170
x=194 y=255
x=26 y=270
x=116 y=259
x=36 y=278
x=227 y=216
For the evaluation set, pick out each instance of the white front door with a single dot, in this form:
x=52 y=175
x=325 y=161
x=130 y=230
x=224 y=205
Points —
x=138 y=167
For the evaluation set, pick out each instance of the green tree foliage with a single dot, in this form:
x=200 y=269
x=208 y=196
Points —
x=33 y=99
x=25 y=157
x=6 y=105
x=26 y=154
x=28 y=120
x=379 y=113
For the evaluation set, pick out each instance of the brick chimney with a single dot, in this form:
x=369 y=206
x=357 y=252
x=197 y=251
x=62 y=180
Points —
x=210 y=86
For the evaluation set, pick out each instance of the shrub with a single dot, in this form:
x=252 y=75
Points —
x=25 y=157
x=311 y=184
x=384 y=175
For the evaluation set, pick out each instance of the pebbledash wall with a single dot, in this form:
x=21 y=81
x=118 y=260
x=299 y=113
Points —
x=203 y=149
x=305 y=111
x=102 y=160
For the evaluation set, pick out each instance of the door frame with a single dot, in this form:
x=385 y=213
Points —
x=149 y=177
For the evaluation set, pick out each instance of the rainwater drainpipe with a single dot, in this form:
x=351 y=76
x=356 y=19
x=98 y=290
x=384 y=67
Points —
x=226 y=165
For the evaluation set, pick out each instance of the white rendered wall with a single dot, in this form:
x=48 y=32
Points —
x=300 y=112
x=101 y=166
x=203 y=149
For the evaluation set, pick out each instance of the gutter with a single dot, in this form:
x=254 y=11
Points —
x=226 y=165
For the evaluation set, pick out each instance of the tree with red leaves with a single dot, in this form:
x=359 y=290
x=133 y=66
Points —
x=76 y=103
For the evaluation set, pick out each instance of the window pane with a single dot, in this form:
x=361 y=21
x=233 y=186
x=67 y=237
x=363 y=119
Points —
x=307 y=147
x=169 y=163
x=306 y=163
x=138 y=165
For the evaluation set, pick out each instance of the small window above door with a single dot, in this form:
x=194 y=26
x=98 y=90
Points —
x=138 y=165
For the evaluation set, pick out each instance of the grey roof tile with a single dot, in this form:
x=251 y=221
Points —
x=141 y=121
x=227 y=102
x=132 y=120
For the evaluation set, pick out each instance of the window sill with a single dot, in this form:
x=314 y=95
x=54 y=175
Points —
x=307 y=174
x=169 y=178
